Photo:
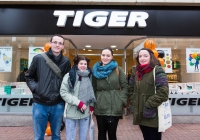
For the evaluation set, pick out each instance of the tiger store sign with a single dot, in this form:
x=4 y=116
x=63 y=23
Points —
x=98 y=19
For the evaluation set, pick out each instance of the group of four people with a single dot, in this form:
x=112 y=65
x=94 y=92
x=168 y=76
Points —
x=102 y=90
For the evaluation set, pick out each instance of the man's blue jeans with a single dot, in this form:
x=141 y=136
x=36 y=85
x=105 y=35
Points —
x=42 y=114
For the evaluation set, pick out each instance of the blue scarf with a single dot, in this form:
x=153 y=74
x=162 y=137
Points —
x=101 y=72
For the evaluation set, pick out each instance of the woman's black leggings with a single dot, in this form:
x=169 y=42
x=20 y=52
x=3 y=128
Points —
x=150 y=133
x=104 y=125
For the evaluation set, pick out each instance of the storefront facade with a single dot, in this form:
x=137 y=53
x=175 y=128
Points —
x=44 y=20
x=149 y=21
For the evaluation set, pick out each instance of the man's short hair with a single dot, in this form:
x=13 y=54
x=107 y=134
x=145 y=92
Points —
x=58 y=36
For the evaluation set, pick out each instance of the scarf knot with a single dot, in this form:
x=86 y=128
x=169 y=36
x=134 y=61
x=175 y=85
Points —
x=101 y=72
x=86 y=92
x=142 y=70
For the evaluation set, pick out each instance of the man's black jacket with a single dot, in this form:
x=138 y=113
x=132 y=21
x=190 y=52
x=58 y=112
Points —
x=43 y=82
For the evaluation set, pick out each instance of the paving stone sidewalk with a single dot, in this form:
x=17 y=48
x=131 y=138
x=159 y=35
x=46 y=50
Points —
x=125 y=131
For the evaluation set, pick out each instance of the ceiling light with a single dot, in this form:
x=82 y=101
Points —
x=89 y=50
x=19 y=45
x=113 y=46
x=158 y=46
x=192 y=45
x=13 y=39
x=87 y=46
x=7 y=43
x=31 y=39
x=31 y=44
x=176 y=45
x=84 y=49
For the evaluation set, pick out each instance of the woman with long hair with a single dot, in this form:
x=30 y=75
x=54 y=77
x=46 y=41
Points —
x=111 y=91
x=142 y=89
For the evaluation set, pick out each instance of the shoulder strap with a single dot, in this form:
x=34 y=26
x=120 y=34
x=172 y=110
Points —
x=53 y=66
x=154 y=75
x=117 y=71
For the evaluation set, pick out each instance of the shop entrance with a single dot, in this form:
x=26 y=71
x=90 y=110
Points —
x=91 y=47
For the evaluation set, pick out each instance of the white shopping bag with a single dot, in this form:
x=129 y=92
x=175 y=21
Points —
x=164 y=116
x=91 y=128
x=164 y=113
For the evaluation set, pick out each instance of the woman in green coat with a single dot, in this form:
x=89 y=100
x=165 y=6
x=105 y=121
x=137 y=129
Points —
x=111 y=91
x=142 y=90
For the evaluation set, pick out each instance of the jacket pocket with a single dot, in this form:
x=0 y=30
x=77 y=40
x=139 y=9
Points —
x=36 y=88
x=118 y=101
x=145 y=98
x=102 y=103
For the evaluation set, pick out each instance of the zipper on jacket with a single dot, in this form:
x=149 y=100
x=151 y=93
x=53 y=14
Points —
x=111 y=97
x=138 y=99
x=107 y=79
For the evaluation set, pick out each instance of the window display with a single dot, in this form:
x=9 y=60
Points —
x=14 y=88
x=5 y=59
x=23 y=64
x=192 y=57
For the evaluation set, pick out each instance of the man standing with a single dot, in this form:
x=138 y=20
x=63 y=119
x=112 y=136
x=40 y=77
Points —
x=45 y=86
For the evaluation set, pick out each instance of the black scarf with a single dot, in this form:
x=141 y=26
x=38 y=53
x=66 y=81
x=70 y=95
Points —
x=55 y=59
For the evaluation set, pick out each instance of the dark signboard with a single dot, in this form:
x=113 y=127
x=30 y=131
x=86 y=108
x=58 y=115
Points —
x=42 y=20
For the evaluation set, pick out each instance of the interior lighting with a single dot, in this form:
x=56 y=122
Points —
x=7 y=43
x=176 y=45
x=158 y=45
x=13 y=39
x=65 y=51
x=19 y=45
x=113 y=46
x=31 y=44
x=88 y=46
x=192 y=45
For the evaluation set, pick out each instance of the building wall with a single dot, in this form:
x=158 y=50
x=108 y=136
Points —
x=108 y=2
